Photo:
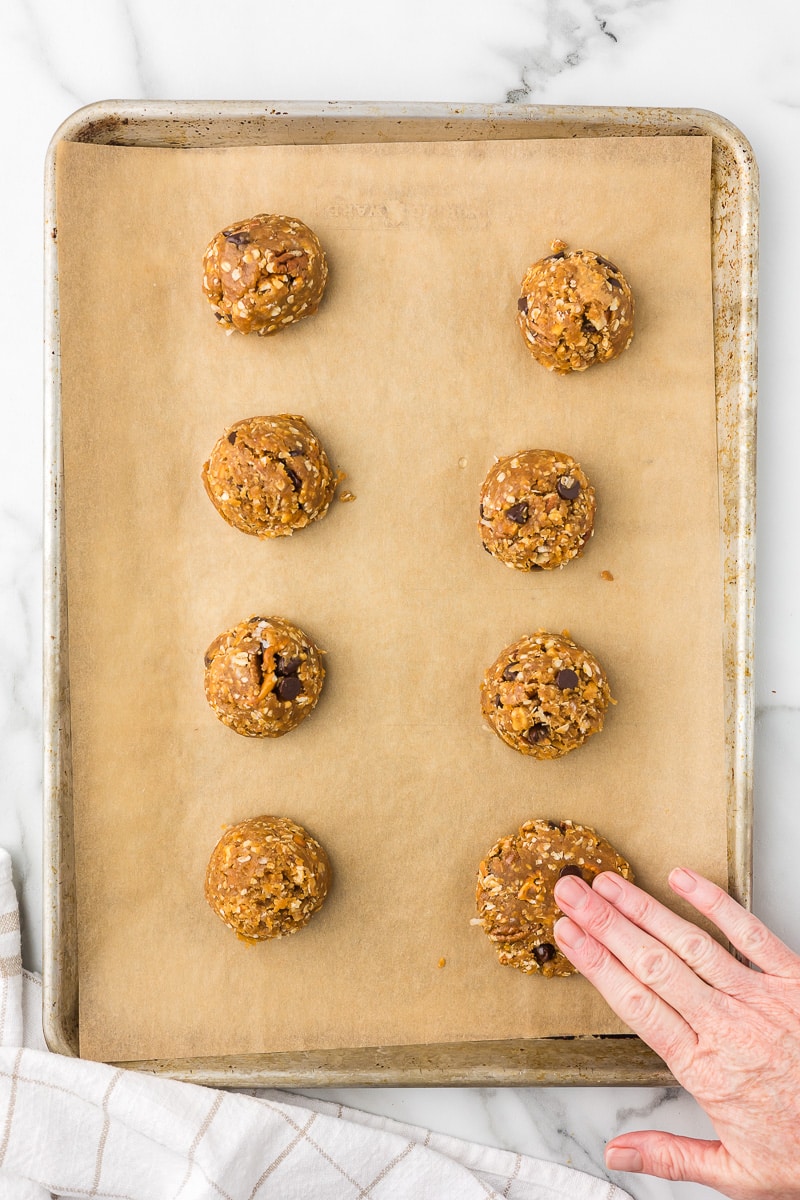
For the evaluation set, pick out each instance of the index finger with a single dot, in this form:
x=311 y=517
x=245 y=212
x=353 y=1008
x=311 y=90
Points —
x=648 y=1015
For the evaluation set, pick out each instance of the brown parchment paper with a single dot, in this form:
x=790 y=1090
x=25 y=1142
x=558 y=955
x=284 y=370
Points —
x=415 y=376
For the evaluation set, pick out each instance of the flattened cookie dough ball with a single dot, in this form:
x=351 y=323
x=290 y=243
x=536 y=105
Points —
x=536 y=510
x=516 y=906
x=269 y=476
x=545 y=695
x=576 y=309
x=263 y=274
x=263 y=677
x=267 y=877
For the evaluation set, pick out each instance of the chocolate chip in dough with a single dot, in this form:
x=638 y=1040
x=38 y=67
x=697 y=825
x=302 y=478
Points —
x=288 y=687
x=571 y=869
x=287 y=666
x=537 y=733
x=237 y=239
x=522 y=304
x=566 y=679
x=544 y=952
x=294 y=478
x=518 y=513
x=568 y=488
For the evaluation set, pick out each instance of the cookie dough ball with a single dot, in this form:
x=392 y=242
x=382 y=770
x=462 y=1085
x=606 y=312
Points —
x=544 y=696
x=575 y=310
x=516 y=906
x=537 y=510
x=263 y=274
x=263 y=677
x=269 y=476
x=267 y=877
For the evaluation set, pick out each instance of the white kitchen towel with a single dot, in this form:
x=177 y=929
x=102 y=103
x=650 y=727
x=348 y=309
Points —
x=70 y=1128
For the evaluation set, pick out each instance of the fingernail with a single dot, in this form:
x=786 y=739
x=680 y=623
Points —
x=623 y=1158
x=607 y=885
x=568 y=933
x=682 y=880
x=572 y=891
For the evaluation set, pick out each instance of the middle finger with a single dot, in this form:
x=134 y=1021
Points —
x=647 y=958
x=707 y=958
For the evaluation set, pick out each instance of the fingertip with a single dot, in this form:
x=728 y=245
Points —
x=607 y=884
x=623 y=1158
x=568 y=934
x=682 y=880
x=571 y=891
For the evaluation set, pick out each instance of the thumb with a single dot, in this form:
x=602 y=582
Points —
x=671 y=1157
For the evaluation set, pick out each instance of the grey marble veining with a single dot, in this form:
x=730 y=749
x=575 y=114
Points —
x=570 y=34
x=725 y=55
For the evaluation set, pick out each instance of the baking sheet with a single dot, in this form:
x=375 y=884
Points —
x=400 y=780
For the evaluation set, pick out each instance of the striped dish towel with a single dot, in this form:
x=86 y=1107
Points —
x=70 y=1128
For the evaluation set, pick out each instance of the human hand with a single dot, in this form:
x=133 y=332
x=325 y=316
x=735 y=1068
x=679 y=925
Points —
x=729 y=1034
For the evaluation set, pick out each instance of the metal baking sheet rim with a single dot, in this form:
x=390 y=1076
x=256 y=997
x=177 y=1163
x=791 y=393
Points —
x=589 y=1060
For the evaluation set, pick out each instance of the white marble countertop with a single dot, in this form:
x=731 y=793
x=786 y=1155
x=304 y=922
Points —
x=729 y=56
